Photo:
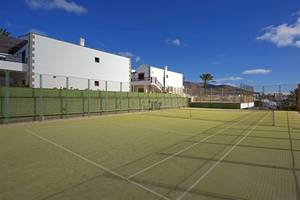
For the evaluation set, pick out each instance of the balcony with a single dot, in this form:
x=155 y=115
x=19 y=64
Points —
x=13 y=63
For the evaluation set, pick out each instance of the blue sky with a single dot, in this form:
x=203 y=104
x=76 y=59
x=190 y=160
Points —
x=249 y=41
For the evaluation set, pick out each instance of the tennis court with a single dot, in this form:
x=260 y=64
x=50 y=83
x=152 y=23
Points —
x=187 y=154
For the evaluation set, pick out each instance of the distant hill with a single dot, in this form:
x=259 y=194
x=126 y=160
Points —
x=194 y=88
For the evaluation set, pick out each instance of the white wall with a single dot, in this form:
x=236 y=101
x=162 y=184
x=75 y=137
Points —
x=158 y=73
x=66 y=59
x=173 y=79
x=13 y=66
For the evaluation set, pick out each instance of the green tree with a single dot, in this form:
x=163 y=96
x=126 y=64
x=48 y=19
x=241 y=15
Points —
x=4 y=32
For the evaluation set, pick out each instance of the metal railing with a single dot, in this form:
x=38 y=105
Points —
x=11 y=58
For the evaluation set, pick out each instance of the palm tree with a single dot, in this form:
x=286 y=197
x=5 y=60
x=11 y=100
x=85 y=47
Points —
x=4 y=32
x=206 y=77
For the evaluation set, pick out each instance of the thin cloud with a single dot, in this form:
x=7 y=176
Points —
x=284 y=35
x=257 y=71
x=174 y=42
x=130 y=55
x=68 y=6
x=215 y=63
x=137 y=59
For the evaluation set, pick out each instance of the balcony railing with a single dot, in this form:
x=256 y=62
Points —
x=153 y=80
x=11 y=58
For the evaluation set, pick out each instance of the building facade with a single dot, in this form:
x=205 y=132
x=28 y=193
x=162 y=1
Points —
x=147 y=78
x=51 y=63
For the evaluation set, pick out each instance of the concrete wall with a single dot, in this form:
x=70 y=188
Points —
x=60 y=59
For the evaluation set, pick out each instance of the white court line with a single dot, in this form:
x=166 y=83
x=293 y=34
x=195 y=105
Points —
x=97 y=164
x=183 y=150
x=221 y=159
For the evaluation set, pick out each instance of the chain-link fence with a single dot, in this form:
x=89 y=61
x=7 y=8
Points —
x=281 y=96
x=219 y=93
x=77 y=83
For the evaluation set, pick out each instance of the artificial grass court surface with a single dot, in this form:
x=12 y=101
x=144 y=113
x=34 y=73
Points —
x=171 y=154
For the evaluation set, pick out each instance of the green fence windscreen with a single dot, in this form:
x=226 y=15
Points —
x=37 y=104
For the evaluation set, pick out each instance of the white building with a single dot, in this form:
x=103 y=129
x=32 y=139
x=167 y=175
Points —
x=147 y=78
x=52 y=63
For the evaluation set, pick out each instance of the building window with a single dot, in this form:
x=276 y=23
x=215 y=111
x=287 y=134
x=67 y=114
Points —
x=23 y=57
x=97 y=60
x=96 y=83
x=141 y=76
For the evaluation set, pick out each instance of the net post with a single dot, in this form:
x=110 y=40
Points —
x=6 y=99
x=41 y=116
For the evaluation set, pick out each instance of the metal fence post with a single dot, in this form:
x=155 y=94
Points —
x=120 y=86
x=210 y=95
x=100 y=99
x=6 y=110
x=279 y=89
x=222 y=97
x=139 y=101
x=116 y=102
x=128 y=102
x=88 y=106
x=66 y=97
x=298 y=97
x=106 y=86
x=41 y=99
x=273 y=117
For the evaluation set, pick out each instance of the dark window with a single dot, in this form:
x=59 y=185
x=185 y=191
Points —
x=97 y=59
x=23 y=57
x=166 y=76
x=141 y=76
x=96 y=83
